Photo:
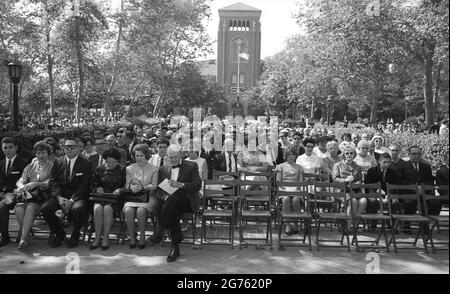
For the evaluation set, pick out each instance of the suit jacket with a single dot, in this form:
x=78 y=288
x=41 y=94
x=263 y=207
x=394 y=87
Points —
x=8 y=181
x=78 y=186
x=442 y=177
x=375 y=175
x=220 y=162
x=123 y=156
x=409 y=174
x=188 y=175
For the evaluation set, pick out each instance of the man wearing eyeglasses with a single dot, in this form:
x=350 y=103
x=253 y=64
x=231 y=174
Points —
x=70 y=182
x=416 y=171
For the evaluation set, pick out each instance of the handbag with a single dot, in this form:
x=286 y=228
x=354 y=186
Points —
x=103 y=198
x=130 y=195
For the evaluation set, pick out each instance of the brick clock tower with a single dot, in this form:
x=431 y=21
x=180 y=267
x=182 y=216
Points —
x=238 y=50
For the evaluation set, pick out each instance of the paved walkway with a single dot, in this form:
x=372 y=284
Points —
x=218 y=259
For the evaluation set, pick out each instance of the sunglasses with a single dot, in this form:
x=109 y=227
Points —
x=349 y=153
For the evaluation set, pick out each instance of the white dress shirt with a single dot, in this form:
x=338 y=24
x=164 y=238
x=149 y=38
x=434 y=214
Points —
x=175 y=172
x=7 y=162
x=229 y=156
x=309 y=163
x=72 y=163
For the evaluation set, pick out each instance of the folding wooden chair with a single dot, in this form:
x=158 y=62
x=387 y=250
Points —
x=432 y=193
x=301 y=190
x=210 y=212
x=255 y=205
x=402 y=193
x=369 y=191
x=335 y=192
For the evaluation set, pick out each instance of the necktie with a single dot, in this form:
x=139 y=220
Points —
x=230 y=168
x=70 y=169
x=161 y=162
x=384 y=176
x=8 y=169
x=416 y=166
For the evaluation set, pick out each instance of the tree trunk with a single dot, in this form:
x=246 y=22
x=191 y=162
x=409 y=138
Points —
x=438 y=85
x=109 y=92
x=428 y=49
x=133 y=99
x=374 y=103
x=79 y=96
x=50 y=76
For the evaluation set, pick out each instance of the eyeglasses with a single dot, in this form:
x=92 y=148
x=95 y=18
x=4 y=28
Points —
x=309 y=146
x=394 y=150
x=70 y=146
x=349 y=153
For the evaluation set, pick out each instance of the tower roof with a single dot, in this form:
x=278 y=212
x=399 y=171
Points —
x=240 y=6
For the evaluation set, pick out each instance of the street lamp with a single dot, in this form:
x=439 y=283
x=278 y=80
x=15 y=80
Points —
x=15 y=73
x=329 y=101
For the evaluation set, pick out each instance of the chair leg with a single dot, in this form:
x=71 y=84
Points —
x=393 y=227
x=355 y=234
x=270 y=232
x=430 y=238
x=308 y=227
x=422 y=231
x=317 y=233
x=240 y=233
x=280 y=223
x=347 y=237
x=386 y=241
x=194 y=229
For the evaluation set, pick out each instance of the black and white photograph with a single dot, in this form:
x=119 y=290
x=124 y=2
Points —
x=201 y=139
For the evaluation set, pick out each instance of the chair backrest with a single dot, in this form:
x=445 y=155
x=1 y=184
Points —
x=322 y=177
x=247 y=195
x=291 y=189
x=329 y=191
x=370 y=191
x=403 y=192
x=209 y=193
x=435 y=192
x=218 y=173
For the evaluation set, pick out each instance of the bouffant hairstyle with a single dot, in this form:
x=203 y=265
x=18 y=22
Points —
x=141 y=148
x=309 y=140
x=42 y=146
x=111 y=153
x=290 y=151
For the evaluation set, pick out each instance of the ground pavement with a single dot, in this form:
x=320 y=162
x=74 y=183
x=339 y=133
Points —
x=221 y=259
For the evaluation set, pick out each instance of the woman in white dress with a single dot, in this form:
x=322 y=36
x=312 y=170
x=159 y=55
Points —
x=147 y=174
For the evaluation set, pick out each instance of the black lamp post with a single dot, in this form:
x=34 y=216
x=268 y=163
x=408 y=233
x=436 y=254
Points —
x=329 y=100
x=15 y=73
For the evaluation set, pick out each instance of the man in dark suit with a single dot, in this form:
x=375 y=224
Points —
x=96 y=159
x=384 y=174
x=396 y=162
x=11 y=168
x=415 y=171
x=184 y=176
x=226 y=161
x=70 y=183
x=442 y=180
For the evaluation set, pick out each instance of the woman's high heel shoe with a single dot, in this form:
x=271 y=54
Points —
x=22 y=244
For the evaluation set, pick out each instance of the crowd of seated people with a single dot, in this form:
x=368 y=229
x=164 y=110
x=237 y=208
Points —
x=134 y=163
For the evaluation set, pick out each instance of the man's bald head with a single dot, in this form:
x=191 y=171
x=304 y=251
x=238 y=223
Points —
x=174 y=154
x=111 y=140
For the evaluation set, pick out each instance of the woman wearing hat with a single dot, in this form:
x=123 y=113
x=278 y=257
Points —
x=379 y=148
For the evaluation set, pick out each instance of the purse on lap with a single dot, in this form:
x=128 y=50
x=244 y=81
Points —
x=135 y=192
x=103 y=198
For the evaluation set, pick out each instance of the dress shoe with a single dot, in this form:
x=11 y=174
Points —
x=73 y=241
x=155 y=239
x=93 y=247
x=58 y=239
x=4 y=241
x=174 y=253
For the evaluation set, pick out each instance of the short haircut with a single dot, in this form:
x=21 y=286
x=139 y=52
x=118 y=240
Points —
x=42 y=146
x=88 y=139
x=52 y=142
x=349 y=148
x=395 y=144
x=298 y=134
x=163 y=141
x=309 y=140
x=11 y=140
x=332 y=142
x=414 y=146
x=71 y=138
x=384 y=156
x=363 y=143
x=143 y=148
x=346 y=135
x=113 y=153
x=129 y=134
x=290 y=151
